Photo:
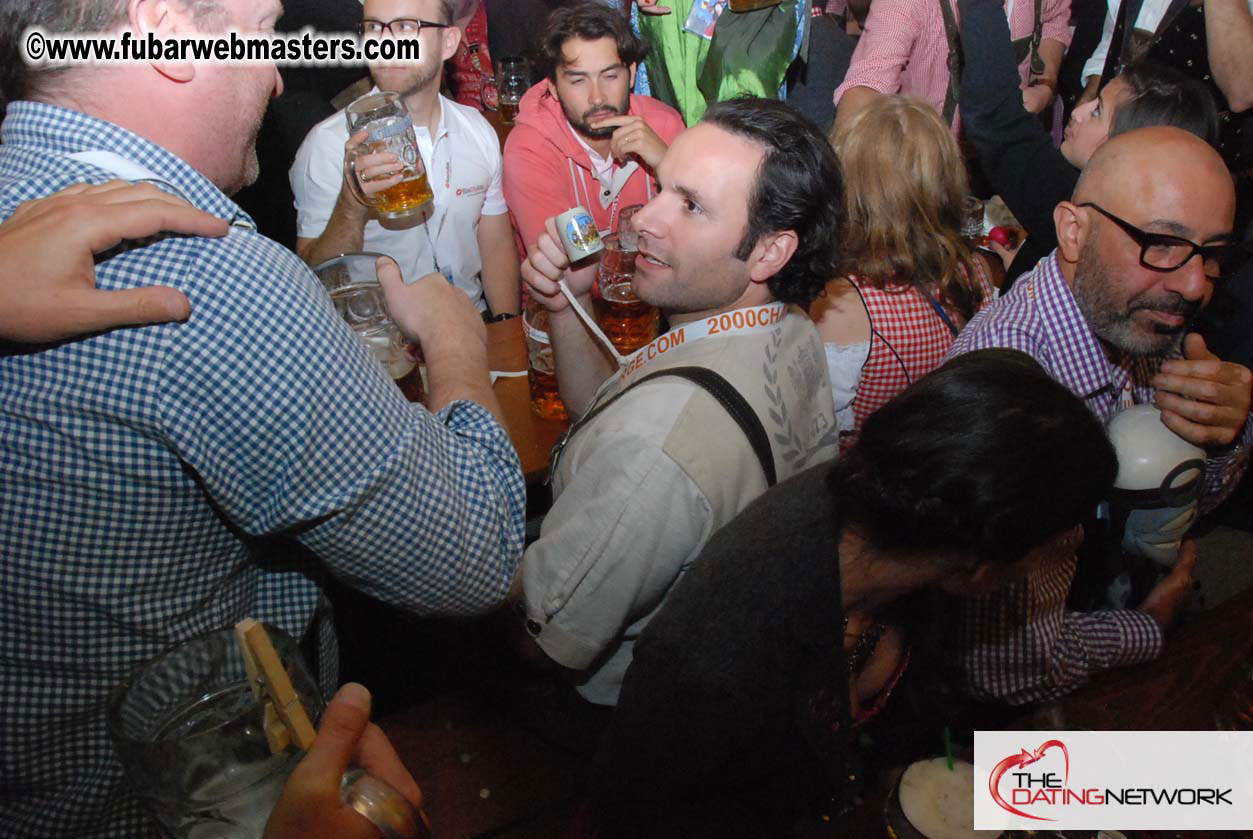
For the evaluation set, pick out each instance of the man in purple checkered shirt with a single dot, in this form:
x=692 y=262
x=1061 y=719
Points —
x=1107 y=314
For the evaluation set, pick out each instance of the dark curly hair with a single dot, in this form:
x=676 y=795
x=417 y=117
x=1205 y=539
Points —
x=986 y=454
x=799 y=187
x=588 y=21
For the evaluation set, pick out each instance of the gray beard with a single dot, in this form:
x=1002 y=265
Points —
x=1114 y=324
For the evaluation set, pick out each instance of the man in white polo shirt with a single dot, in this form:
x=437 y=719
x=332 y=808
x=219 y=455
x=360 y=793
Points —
x=467 y=236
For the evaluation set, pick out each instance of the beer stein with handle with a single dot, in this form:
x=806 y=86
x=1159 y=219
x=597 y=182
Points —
x=385 y=119
x=512 y=83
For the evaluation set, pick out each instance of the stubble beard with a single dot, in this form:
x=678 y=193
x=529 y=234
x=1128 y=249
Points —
x=583 y=127
x=1113 y=320
x=423 y=76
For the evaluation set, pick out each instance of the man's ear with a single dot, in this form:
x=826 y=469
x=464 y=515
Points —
x=450 y=42
x=632 y=69
x=1072 y=224
x=164 y=19
x=770 y=254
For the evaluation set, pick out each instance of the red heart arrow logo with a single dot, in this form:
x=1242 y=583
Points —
x=1024 y=758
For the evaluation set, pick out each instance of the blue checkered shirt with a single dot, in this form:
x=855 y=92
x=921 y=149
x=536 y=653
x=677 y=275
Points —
x=144 y=471
x=1020 y=644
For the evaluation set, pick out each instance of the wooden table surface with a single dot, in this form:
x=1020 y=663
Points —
x=532 y=436
x=1193 y=680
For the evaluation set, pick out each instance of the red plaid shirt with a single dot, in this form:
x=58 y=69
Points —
x=908 y=339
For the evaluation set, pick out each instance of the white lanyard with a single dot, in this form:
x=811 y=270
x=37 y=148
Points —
x=735 y=322
x=439 y=228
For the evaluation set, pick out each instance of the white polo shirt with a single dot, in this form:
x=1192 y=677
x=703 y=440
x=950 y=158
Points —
x=463 y=165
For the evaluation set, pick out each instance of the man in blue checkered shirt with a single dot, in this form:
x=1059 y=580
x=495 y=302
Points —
x=144 y=471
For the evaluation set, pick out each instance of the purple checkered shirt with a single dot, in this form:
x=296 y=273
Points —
x=1020 y=644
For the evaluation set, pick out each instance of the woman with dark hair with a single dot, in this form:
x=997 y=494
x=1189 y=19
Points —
x=735 y=713
x=1015 y=151
x=907 y=281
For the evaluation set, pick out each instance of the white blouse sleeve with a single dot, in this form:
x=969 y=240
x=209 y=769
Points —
x=844 y=363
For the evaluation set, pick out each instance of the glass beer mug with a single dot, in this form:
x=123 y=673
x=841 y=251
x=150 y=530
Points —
x=511 y=84
x=385 y=118
x=190 y=736
x=628 y=322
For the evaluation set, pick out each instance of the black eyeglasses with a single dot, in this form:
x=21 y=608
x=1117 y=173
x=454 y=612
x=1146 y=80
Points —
x=1163 y=252
x=401 y=27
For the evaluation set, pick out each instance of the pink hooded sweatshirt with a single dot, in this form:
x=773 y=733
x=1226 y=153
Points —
x=547 y=171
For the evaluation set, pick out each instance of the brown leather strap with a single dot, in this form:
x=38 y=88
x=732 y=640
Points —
x=952 y=94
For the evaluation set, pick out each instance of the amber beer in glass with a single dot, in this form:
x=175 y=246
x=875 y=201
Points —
x=541 y=369
x=514 y=79
x=385 y=118
x=628 y=322
x=403 y=199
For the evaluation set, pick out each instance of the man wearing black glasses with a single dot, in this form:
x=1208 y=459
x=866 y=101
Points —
x=1141 y=245
x=466 y=236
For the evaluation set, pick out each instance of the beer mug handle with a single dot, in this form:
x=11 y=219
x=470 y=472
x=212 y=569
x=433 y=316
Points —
x=489 y=94
x=353 y=180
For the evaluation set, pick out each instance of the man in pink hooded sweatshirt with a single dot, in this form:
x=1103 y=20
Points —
x=581 y=137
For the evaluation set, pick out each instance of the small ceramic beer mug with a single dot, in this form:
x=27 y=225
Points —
x=578 y=234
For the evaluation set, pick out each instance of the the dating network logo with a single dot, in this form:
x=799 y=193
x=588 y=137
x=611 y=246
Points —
x=1022 y=792
x=1119 y=780
x=1031 y=785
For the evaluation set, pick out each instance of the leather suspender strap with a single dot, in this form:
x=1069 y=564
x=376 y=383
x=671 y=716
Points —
x=1022 y=47
x=954 y=61
x=1030 y=45
x=1037 y=35
x=721 y=390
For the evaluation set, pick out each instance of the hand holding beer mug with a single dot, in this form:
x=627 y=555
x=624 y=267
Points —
x=353 y=284
x=388 y=143
x=202 y=754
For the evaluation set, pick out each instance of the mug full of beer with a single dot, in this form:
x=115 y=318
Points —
x=628 y=322
x=385 y=118
x=541 y=372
